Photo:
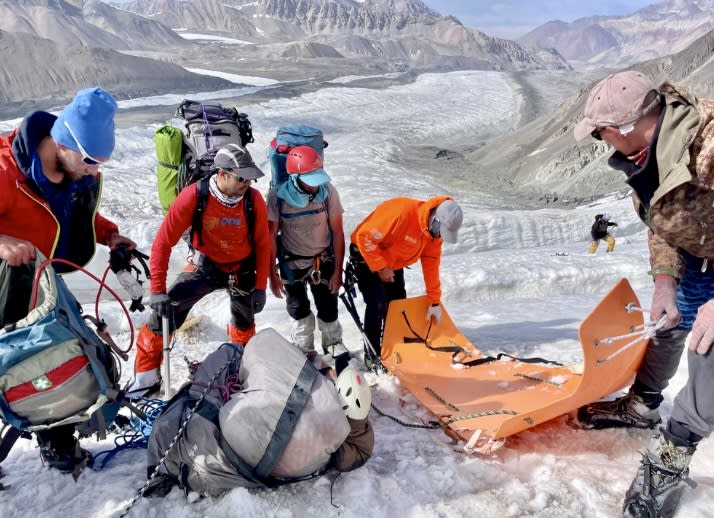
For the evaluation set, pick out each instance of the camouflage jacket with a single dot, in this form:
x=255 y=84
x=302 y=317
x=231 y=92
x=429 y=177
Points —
x=680 y=213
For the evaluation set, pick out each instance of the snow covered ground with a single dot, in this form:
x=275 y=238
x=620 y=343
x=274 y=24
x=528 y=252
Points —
x=518 y=281
x=210 y=37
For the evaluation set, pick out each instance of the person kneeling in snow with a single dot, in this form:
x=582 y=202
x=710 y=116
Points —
x=267 y=419
x=234 y=255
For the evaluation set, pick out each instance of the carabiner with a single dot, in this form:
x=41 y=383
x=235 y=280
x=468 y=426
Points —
x=315 y=276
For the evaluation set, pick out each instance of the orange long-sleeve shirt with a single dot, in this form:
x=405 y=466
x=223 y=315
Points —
x=225 y=235
x=396 y=234
x=24 y=214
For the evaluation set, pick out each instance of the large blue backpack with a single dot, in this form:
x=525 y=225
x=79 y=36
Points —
x=286 y=138
x=54 y=368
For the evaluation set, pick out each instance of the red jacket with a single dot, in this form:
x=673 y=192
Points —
x=396 y=234
x=225 y=236
x=24 y=214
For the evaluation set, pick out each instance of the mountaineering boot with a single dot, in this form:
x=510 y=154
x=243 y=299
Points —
x=240 y=336
x=149 y=350
x=160 y=486
x=144 y=384
x=303 y=334
x=332 y=343
x=65 y=455
x=660 y=479
x=629 y=410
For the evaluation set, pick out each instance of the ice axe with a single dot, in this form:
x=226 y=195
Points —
x=347 y=297
x=166 y=364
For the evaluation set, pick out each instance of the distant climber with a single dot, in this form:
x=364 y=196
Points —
x=599 y=231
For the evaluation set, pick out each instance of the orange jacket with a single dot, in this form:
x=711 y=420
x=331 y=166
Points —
x=24 y=213
x=225 y=236
x=396 y=234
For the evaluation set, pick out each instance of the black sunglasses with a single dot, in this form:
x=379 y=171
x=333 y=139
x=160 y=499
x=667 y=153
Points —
x=239 y=178
x=435 y=228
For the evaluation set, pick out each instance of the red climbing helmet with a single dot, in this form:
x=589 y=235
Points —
x=303 y=159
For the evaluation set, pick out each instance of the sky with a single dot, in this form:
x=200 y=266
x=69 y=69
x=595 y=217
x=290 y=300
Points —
x=514 y=18
x=518 y=281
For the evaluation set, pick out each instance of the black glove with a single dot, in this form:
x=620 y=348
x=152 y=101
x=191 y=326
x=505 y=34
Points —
x=258 y=300
x=161 y=303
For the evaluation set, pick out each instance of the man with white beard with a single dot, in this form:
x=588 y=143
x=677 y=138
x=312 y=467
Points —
x=664 y=143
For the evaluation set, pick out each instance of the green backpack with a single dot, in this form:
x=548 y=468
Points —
x=170 y=154
x=186 y=155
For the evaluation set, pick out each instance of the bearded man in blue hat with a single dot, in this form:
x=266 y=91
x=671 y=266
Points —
x=50 y=187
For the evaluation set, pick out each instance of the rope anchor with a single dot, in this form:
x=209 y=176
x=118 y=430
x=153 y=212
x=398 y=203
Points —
x=639 y=332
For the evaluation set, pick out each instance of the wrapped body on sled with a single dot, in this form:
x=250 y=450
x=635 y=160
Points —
x=258 y=417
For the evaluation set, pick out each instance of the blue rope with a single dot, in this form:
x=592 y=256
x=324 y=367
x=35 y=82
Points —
x=137 y=435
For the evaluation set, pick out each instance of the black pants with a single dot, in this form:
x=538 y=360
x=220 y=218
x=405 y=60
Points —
x=377 y=296
x=190 y=287
x=298 y=303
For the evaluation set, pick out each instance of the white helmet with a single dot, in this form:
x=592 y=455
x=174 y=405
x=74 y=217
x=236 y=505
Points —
x=355 y=395
x=606 y=216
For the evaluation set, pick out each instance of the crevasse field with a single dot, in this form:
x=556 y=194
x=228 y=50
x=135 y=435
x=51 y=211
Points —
x=518 y=281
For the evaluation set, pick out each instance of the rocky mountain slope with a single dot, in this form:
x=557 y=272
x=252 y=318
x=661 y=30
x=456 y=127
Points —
x=654 y=31
x=541 y=161
x=386 y=29
x=199 y=16
x=24 y=87
x=88 y=23
x=297 y=40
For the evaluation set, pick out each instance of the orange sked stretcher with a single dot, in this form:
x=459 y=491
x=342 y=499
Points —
x=496 y=398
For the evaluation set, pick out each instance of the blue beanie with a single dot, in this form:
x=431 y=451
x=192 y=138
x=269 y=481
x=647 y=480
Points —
x=91 y=117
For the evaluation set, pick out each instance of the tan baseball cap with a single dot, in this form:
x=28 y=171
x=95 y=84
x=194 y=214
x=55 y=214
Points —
x=618 y=100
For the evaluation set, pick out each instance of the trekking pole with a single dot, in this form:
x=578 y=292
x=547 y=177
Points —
x=347 y=298
x=352 y=310
x=166 y=365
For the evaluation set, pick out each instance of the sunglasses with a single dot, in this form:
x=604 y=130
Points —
x=435 y=228
x=87 y=159
x=238 y=178
x=624 y=130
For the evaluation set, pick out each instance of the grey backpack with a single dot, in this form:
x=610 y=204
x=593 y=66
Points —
x=197 y=461
x=208 y=128
x=262 y=449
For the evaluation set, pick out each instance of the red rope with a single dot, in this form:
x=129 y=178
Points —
x=102 y=284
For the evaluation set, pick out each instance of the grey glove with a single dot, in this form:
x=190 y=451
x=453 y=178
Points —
x=258 y=300
x=161 y=303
